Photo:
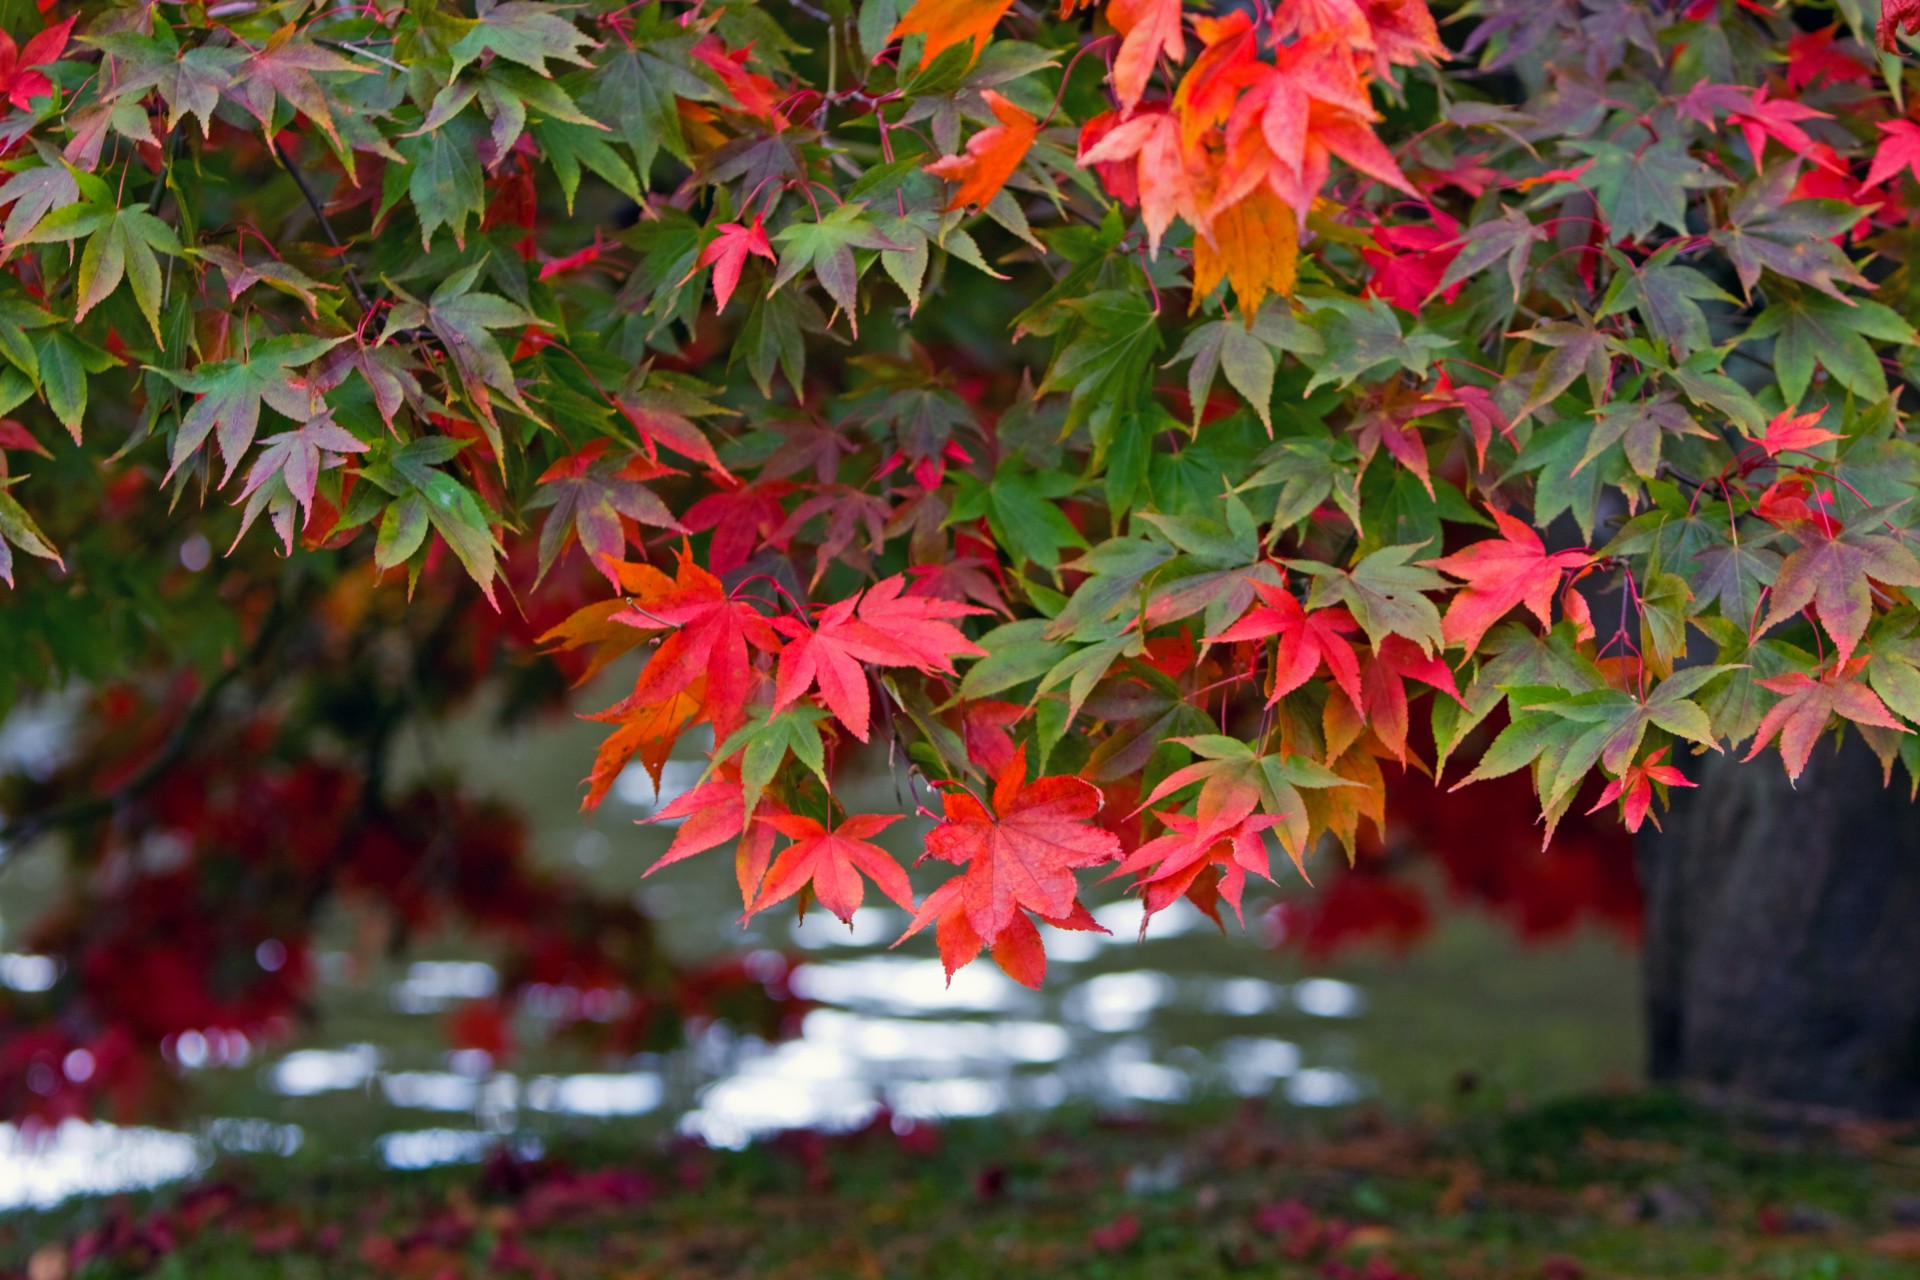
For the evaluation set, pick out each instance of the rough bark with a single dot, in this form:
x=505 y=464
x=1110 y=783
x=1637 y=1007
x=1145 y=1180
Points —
x=1783 y=936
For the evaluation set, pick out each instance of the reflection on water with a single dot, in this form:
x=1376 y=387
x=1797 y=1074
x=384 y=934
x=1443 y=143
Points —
x=1123 y=1022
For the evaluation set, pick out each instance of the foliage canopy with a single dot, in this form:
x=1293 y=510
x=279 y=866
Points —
x=1140 y=425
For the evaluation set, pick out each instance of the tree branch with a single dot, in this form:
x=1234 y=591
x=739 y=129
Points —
x=320 y=213
x=22 y=831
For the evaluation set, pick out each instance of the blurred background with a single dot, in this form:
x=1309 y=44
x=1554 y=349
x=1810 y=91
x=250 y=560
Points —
x=1457 y=964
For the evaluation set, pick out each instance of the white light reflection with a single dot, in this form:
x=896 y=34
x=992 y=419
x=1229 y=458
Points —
x=30 y=974
x=305 y=1072
x=431 y=985
x=1324 y=1087
x=431 y=1090
x=1115 y=1002
x=1243 y=997
x=1329 y=998
x=900 y=984
x=425 y=1148
x=79 y=1158
x=633 y=1093
x=1253 y=1064
x=870 y=927
x=943 y=1099
x=797 y=1085
x=635 y=787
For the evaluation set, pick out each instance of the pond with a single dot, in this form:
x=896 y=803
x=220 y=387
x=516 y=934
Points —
x=1186 y=1014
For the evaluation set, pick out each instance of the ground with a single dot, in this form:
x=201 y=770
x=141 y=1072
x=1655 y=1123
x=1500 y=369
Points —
x=1621 y=1185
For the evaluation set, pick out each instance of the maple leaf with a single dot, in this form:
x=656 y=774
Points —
x=1306 y=640
x=589 y=495
x=232 y=391
x=711 y=632
x=727 y=254
x=1833 y=571
x=1394 y=661
x=297 y=457
x=1807 y=705
x=946 y=23
x=648 y=731
x=880 y=627
x=1634 y=789
x=1148 y=29
x=21 y=79
x=1254 y=245
x=1899 y=149
x=1897 y=16
x=1791 y=433
x=1017 y=949
x=832 y=862
x=991 y=155
x=17 y=529
x=1168 y=865
x=1023 y=851
x=1761 y=118
x=1513 y=569
x=1169 y=179
x=1814 y=55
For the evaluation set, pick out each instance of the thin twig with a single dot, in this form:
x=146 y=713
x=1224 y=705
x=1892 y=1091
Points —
x=313 y=203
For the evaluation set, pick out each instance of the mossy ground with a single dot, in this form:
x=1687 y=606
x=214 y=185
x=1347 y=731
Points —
x=1626 y=1185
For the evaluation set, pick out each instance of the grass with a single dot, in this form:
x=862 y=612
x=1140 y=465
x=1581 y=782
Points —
x=1627 y=1185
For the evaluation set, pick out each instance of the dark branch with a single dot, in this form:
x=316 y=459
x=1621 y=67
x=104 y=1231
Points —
x=320 y=213
x=22 y=831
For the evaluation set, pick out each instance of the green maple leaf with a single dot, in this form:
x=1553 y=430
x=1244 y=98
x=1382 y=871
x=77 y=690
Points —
x=638 y=91
x=122 y=244
x=422 y=498
x=524 y=32
x=18 y=529
x=232 y=391
x=1383 y=592
x=1767 y=229
x=1510 y=236
x=463 y=322
x=441 y=177
x=826 y=248
x=1638 y=428
x=1815 y=328
x=1668 y=298
x=1642 y=184
x=1246 y=355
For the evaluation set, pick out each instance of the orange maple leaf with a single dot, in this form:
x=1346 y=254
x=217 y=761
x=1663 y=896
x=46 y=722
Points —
x=946 y=23
x=991 y=155
x=1255 y=247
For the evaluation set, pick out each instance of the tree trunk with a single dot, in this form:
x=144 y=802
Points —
x=1783 y=935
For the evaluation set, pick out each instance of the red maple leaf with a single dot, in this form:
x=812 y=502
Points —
x=710 y=633
x=727 y=254
x=991 y=155
x=1791 y=433
x=1807 y=706
x=1383 y=681
x=1897 y=15
x=1634 y=789
x=1023 y=851
x=1306 y=640
x=879 y=628
x=1168 y=865
x=1900 y=149
x=1018 y=949
x=20 y=78
x=832 y=862
x=1761 y=118
x=1514 y=569
x=1812 y=55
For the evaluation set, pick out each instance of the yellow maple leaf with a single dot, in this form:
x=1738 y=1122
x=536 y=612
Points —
x=1255 y=247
